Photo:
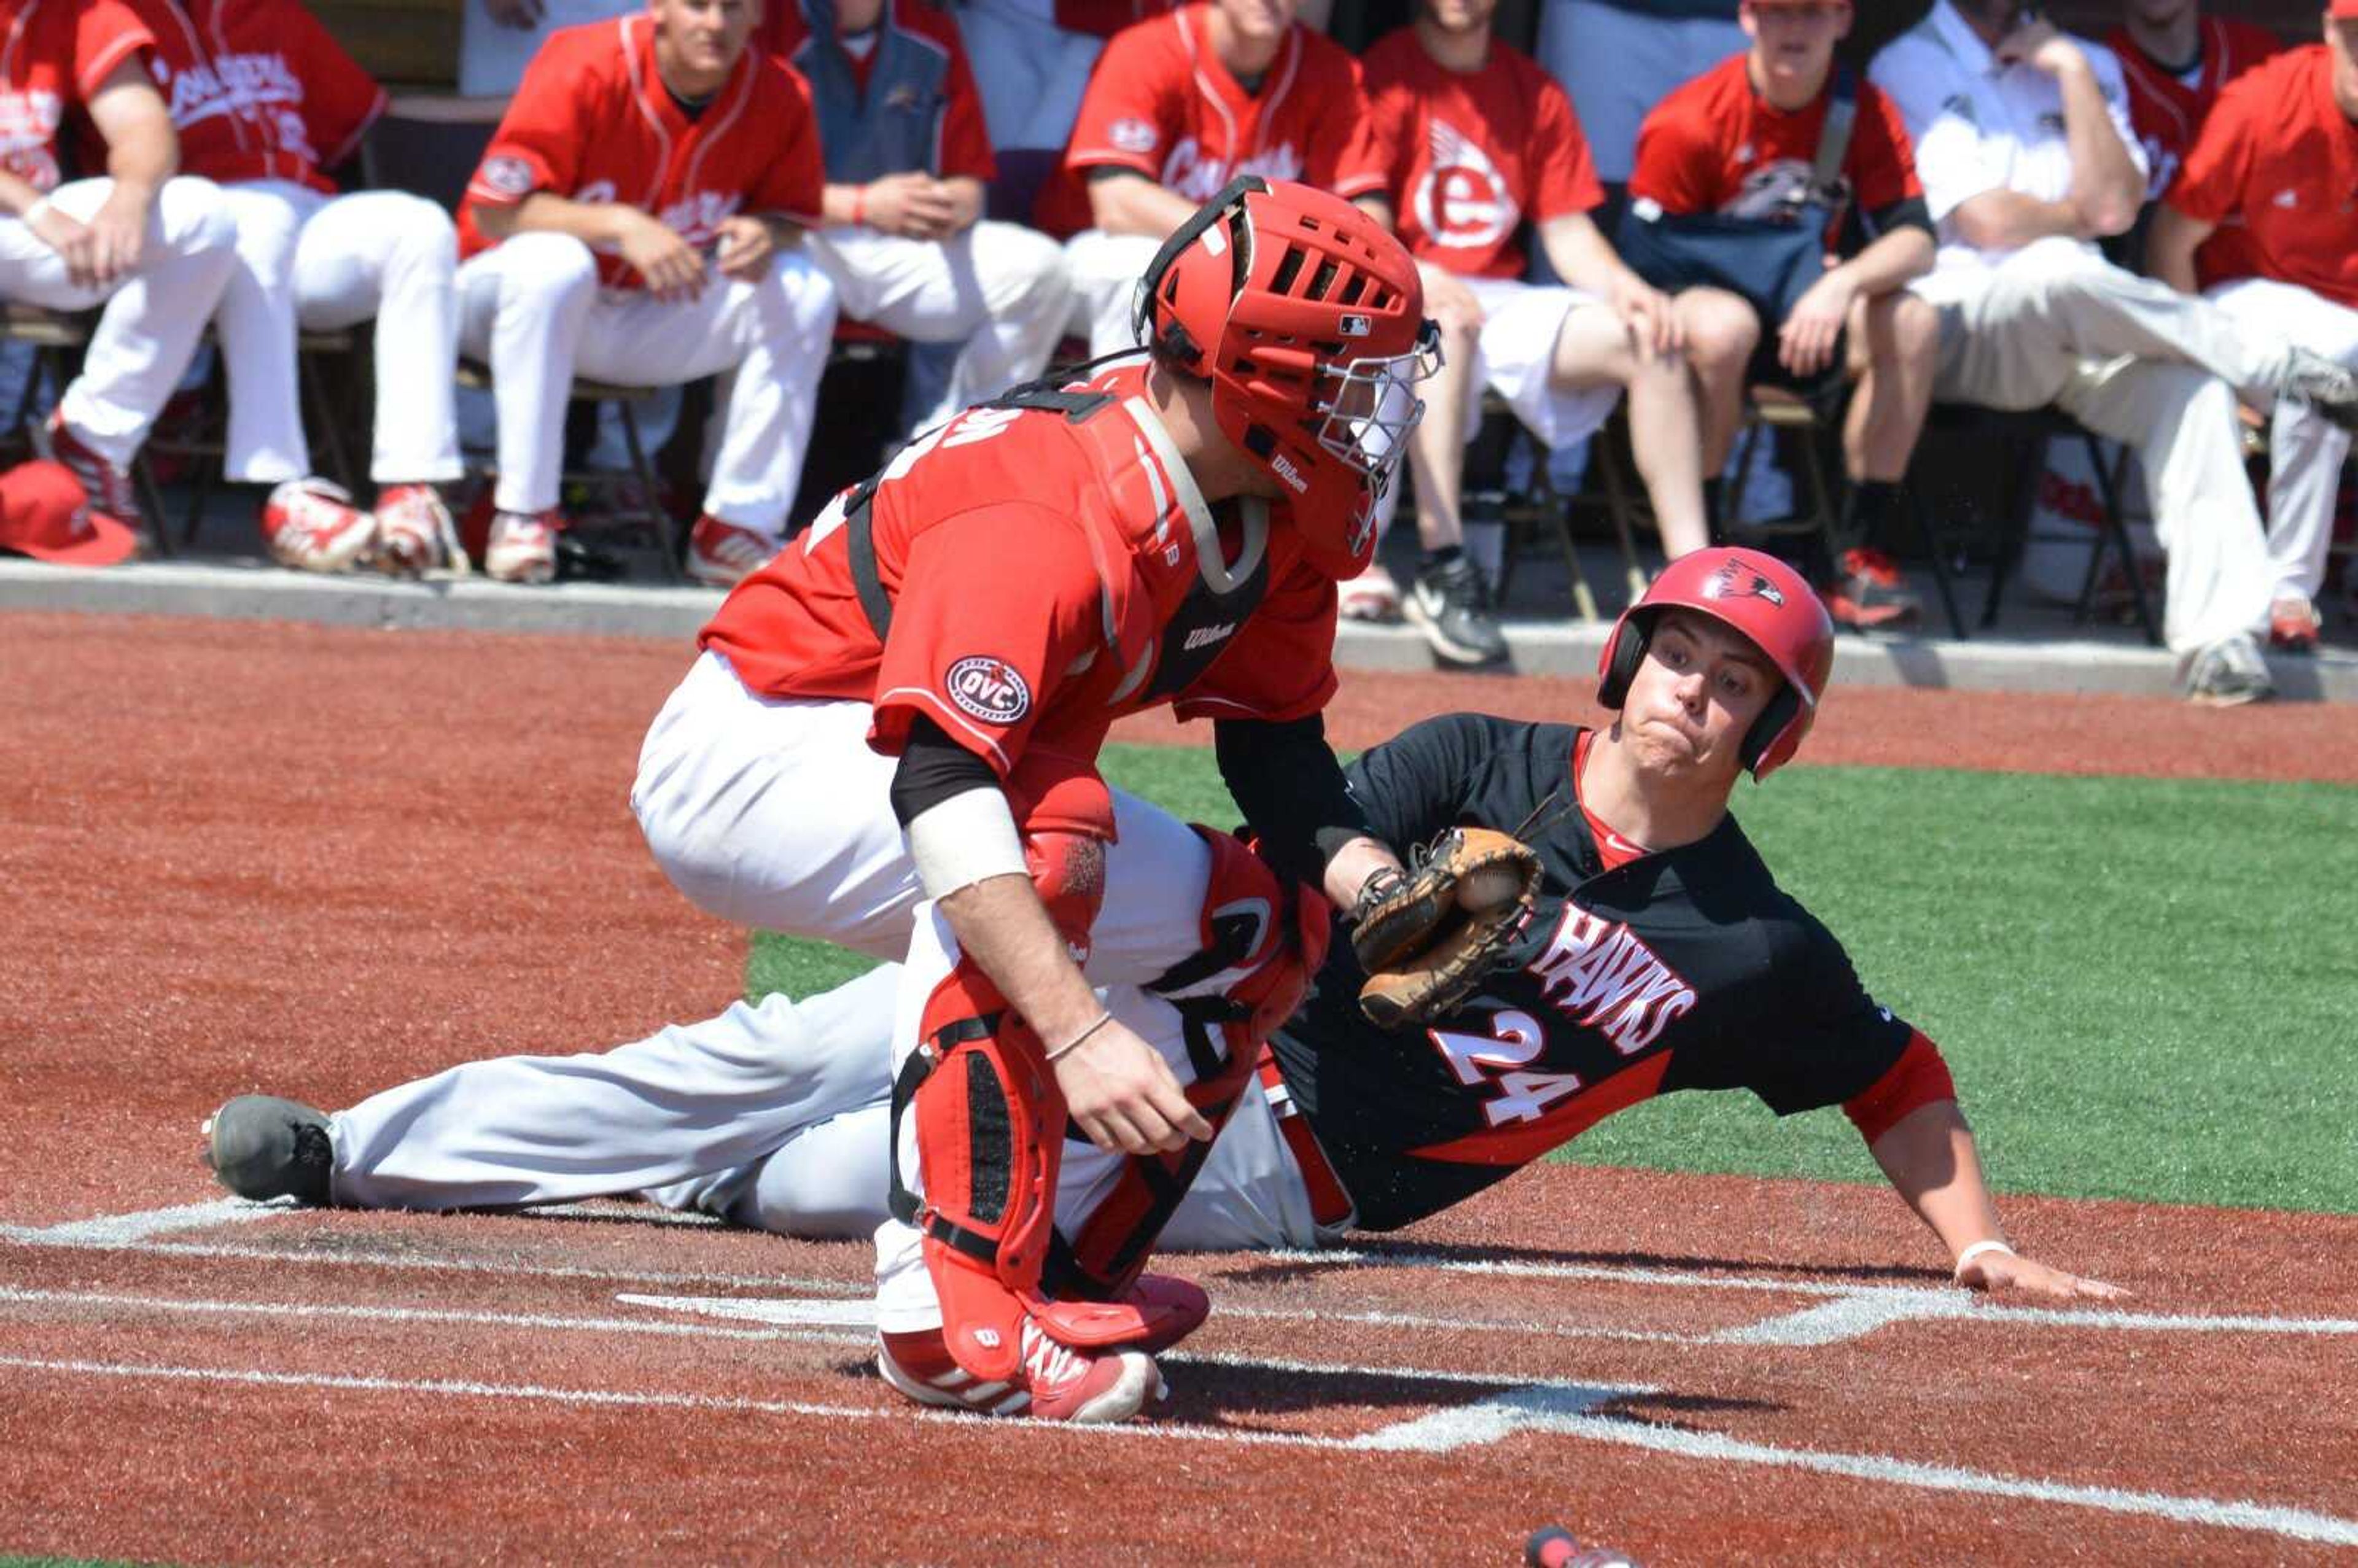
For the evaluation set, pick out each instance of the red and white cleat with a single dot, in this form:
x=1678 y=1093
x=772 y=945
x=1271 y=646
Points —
x=1373 y=595
x=111 y=494
x=722 y=554
x=523 y=546
x=2293 y=625
x=1056 y=1382
x=311 y=525
x=414 y=533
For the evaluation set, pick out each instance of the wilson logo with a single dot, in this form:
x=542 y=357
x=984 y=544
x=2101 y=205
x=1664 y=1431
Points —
x=1288 y=473
x=990 y=689
x=1204 y=636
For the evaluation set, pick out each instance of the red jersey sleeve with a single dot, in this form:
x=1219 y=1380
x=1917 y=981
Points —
x=994 y=607
x=1882 y=160
x=107 y=33
x=793 y=179
x=1281 y=665
x=341 y=100
x=1566 y=181
x=1680 y=165
x=2211 y=183
x=964 y=148
x=538 y=144
x=1128 y=119
x=1920 y=1077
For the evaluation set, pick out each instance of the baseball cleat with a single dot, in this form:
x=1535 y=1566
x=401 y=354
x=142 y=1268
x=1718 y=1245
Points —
x=1055 y=1382
x=523 y=546
x=2229 y=673
x=2293 y=625
x=1371 y=596
x=311 y=525
x=110 y=491
x=2309 y=377
x=1869 y=594
x=1451 y=605
x=722 y=554
x=262 y=1147
x=414 y=531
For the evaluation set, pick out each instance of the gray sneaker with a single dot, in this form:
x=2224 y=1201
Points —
x=260 y=1147
x=2229 y=673
x=2311 y=378
x=1451 y=604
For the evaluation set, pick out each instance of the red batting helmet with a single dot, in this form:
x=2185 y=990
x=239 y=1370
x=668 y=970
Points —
x=1308 y=319
x=1759 y=596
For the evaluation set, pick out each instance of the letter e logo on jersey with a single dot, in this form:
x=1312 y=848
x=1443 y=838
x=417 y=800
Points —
x=990 y=689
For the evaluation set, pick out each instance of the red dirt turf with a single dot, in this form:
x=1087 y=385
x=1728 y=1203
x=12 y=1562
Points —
x=241 y=856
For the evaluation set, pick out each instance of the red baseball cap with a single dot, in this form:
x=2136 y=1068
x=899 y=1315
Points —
x=44 y=514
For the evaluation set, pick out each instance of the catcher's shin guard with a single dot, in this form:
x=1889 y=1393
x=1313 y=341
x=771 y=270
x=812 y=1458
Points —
x=990 y=1125
x=1261 y=942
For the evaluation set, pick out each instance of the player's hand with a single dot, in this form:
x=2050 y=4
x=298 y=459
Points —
x=913 y=205
x=673 y=268
x=118 y=238
x=747 y=248
x=1119 y=1091
x=516 y=12
x=1449 y=302
x=74 y=241
x=1647 y=311
x=2039 y=44
x=2003 y=1271
x=1806 y=343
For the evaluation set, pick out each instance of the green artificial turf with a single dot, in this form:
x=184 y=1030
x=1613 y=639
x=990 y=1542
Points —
x=2145 y=989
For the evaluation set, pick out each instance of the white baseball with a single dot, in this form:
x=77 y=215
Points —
x=1489 y=889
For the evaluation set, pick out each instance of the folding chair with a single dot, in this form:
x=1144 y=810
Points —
x=1543 y=506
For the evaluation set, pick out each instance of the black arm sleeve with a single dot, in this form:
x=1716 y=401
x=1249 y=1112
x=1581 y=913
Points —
x=1907 y=213
x=1285 y=780
x=933 y=768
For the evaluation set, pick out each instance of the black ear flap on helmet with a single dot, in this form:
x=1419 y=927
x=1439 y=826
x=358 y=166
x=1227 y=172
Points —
x=1171 y=338
x=1627 y=651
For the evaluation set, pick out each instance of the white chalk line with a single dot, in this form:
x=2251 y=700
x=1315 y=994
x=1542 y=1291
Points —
x=1565 y=1411
x=123 y=1229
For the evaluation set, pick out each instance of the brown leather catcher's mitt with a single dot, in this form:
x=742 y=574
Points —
x=1426 y=939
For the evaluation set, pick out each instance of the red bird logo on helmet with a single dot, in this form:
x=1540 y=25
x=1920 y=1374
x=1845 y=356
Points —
x=1736 y=580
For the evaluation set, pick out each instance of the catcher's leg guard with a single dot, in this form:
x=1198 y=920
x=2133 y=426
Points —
x=1262 y=940
x=990 y=1121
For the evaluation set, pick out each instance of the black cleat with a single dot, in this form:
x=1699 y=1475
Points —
x=1451 y=605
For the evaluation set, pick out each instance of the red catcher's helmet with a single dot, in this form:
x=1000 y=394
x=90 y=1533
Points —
x=1308 y=319
x=1765 y=600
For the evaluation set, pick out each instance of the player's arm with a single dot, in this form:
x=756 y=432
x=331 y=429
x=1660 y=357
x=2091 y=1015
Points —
x=969 y=859
x=673 y=268
x=1585 y=259
x=2171 y=245
x=142 y=151
x=2107 y=179
x=1124 y=202
x=1288 y=782
x=1930 y=1157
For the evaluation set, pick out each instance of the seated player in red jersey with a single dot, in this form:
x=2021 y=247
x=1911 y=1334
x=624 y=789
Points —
x=891 y=742
x=1742 y=140
x=1478 y=141
x=1178 y=106
x=633 y=220
x=1660 y=956
x=2176 y=61
x=2273 y=168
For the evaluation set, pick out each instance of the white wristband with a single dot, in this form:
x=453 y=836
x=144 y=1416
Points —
x=1978 y=1247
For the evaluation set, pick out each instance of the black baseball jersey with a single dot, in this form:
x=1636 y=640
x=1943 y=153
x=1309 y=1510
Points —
x=1685 y=969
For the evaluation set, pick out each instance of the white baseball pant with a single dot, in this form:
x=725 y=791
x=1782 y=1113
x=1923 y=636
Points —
x=1106 y=270
x=1001 y=288
x=531 y=309
x=323 y=263
x=2306 y=450
x=2134 y=359
x=773 y=814
x=148 y=324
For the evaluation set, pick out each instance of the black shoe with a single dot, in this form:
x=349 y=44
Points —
x=262 y=1147
x=1451 y=604
x=2313 y=379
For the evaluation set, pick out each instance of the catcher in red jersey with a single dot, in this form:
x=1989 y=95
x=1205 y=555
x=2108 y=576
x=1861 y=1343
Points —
x=1176 y=108
x=2273 y=168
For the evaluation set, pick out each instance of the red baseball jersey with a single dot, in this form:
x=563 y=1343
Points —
x=1716 y=146
x=592 y=120
x=2277 y=153
x=961 y=141
x=258 y=89
x=1160 y=101
x=56 y=55
x=1467 y=156
x=1048 y=573
x=2167 y=110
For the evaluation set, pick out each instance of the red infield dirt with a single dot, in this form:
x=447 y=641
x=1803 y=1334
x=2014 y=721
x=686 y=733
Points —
x=242 y=856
